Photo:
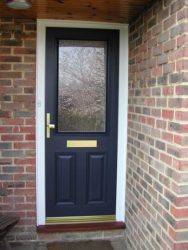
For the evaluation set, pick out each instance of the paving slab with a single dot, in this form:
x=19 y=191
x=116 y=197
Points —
x=117 y=244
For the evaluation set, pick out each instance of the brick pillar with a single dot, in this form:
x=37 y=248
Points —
x=17 y=123
x=157 y=174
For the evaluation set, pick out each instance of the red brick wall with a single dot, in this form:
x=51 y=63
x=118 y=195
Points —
x=157 y=174
x=17 y=123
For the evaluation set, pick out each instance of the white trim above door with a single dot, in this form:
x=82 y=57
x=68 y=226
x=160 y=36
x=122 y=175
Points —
x=122 y=111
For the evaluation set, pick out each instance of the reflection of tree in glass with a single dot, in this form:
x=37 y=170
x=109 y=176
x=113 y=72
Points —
x=82 y=92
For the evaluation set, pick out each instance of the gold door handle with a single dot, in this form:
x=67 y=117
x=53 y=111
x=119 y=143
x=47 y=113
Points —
x=49 y=125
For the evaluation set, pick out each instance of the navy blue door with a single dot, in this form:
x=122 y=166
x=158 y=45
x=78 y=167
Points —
x=81 y=121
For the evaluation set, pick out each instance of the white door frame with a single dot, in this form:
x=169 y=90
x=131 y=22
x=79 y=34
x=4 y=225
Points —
x=40 y=111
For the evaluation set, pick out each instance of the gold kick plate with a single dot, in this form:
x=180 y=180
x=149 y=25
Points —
x=49 y=125
x=82 y=144
x=80 y=219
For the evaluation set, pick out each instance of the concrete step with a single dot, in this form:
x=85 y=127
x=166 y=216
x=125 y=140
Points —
x=115 y=244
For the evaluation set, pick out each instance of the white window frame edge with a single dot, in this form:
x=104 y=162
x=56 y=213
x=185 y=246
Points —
x=40 y=111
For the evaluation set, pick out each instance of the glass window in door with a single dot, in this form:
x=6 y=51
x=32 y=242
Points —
x=82 y=86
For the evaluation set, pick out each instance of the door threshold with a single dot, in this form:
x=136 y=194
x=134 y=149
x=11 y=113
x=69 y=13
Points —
x=82 y=227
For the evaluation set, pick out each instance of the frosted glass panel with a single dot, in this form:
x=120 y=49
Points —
x=82 y=86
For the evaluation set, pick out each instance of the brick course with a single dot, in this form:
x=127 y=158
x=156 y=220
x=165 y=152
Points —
x=157 y=165
x=17 y=127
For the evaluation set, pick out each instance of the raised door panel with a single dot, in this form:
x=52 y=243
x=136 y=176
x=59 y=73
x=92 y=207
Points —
x=65 y=179
x=96 y=178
